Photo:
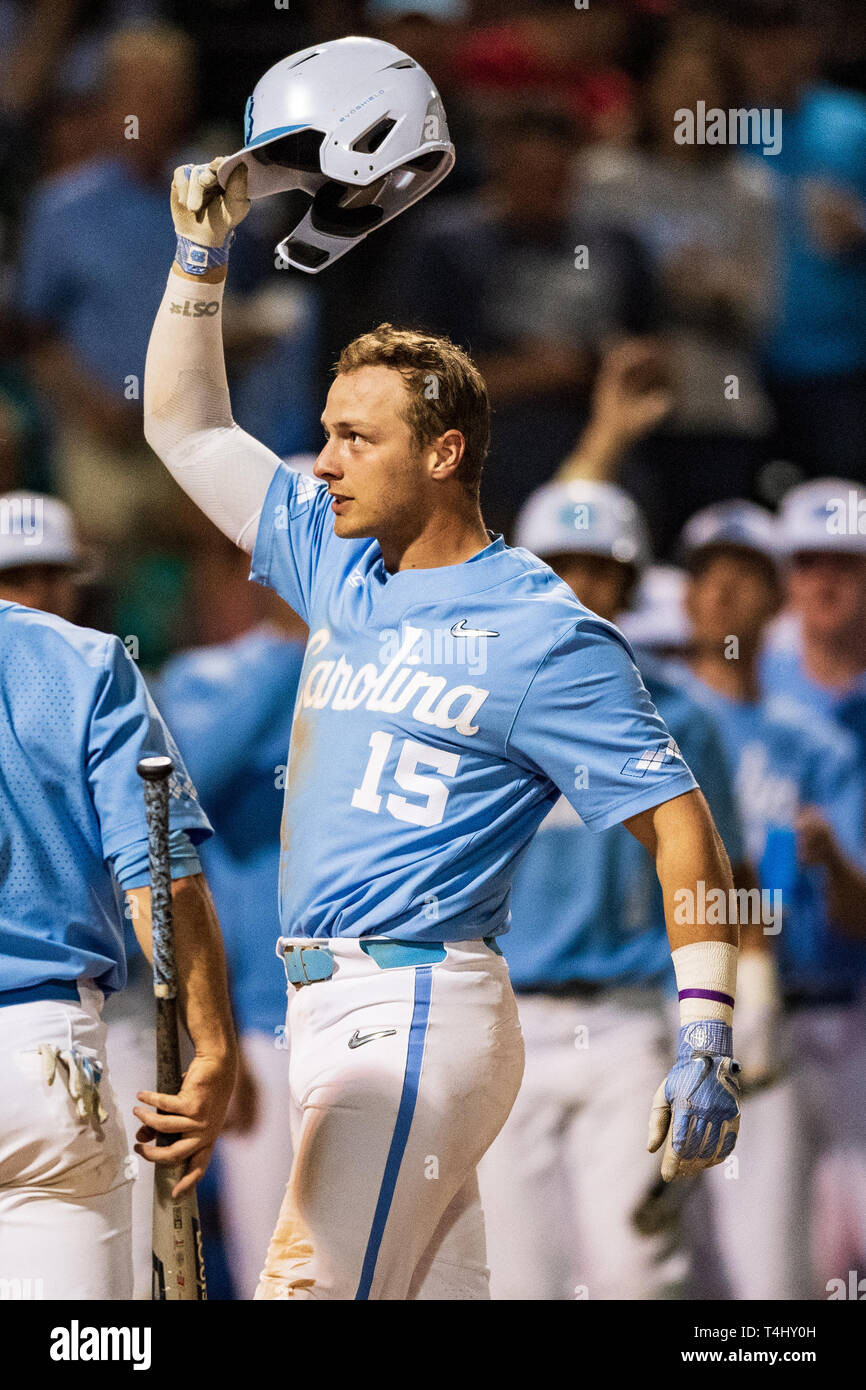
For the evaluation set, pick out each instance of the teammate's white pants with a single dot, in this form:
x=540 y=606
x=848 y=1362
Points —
x=253 y=1166
x=382 y=1202
x=65 y=1188
x=561 y=1184
x=794 y=1216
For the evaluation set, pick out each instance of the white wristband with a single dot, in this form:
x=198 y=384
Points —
x=706 y=974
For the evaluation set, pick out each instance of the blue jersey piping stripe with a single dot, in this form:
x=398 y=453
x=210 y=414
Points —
x=405 y=1112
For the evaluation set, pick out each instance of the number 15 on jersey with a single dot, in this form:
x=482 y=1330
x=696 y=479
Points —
x=434 y=791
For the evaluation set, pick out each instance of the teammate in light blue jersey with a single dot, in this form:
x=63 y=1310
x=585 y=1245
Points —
x=230 y=708
x=785 y=756
x=820 y=660
x=75 y=718
x=593 y=982
x=800 y=790
x=451 y=690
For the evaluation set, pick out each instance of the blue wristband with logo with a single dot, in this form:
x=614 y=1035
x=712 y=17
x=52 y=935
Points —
x=196 y=259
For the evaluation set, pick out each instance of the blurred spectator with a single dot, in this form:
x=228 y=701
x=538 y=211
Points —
x=32 y=38
x=90 y=231
x=499 y=272
x=702 y=218
x=816 y=350
x=550 y=52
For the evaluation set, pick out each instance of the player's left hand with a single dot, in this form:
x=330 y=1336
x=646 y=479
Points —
x=696 y=1108
x=204 y=211
x=195 y=1115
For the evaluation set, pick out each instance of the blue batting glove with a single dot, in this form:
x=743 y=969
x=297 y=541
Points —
x=696 y=1108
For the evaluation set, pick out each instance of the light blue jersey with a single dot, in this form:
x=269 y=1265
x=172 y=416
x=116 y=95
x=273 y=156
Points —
x=230 y=709
x=598 y=895
x=440 y=713
x=75 y=718
x=785 y=757
x=782 y=673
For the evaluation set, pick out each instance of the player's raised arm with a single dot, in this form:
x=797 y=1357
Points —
x=187 y=412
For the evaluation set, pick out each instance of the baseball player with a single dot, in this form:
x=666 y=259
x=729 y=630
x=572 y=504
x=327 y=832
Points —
x=568 y=1187
x=451 y=689
x=41 y=557
x=230 y=709
x=75 y=717
x=42 y=561
x=823 y=537
x=800 y=793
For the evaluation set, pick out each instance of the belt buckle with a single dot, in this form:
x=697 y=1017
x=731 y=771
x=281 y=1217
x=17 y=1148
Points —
x=307 y=965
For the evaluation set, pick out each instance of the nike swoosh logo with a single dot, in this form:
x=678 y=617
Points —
x=707 y=1068
x=358 y=1040
x=461 y=630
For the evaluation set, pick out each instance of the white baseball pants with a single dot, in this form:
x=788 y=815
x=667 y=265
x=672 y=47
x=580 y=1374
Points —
x=382 y=1202
x=65 y=1183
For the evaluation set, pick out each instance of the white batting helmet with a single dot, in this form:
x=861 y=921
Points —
x=358 y=125
x=584 y=517
x=825 y=514
x=738 y=523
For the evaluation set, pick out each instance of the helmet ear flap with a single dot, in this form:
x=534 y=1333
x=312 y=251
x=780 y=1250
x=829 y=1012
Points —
x=329 y=215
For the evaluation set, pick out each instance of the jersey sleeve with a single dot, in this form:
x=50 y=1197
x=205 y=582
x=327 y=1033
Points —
x=587 y=722
x=295 y=537
x=125 y=725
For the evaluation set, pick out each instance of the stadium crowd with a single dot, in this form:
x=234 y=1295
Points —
x=674 y=339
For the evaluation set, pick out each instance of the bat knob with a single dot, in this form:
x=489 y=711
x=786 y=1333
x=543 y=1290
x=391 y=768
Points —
x=155 y=769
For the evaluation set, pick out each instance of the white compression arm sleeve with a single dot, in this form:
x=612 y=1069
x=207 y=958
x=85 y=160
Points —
x=187 y=413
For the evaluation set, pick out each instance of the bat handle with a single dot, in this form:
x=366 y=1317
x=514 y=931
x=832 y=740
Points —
x=155 y=773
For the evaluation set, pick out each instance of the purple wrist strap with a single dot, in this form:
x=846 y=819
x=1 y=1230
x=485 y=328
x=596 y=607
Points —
x=715 y=994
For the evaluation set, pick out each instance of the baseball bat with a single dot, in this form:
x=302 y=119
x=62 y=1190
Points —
x=178 y=1259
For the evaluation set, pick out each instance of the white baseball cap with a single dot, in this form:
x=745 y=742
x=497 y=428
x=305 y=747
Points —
x=738 y=523
x=37 y=530
x=584 y=517
x=827 y=514
x=657 y=617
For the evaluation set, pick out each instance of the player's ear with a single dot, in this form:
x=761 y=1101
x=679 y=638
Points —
x=446 y=455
